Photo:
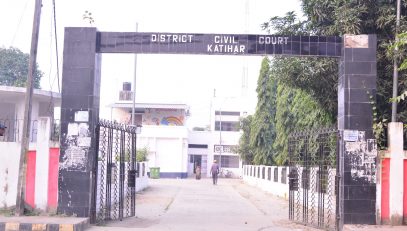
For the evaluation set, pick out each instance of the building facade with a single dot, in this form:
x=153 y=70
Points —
x=43 y=154
x=174 y=148
x=164 y=132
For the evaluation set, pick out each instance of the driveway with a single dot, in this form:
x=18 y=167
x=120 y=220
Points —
x=193 y=205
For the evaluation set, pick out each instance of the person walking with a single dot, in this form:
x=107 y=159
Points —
x=215 y=172
x=198 y=172
x=2 y=129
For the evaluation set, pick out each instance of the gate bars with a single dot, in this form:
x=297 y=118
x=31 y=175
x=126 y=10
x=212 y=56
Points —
x=115 y=193
x=313 y=187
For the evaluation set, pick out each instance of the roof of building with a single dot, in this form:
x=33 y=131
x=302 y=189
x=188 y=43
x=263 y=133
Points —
x=149 y=105
x=11 y=93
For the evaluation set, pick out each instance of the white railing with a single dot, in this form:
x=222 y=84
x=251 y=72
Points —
x=272 y=179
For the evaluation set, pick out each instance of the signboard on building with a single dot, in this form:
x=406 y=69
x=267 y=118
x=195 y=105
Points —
x=218 y=44
x=350 y=135
x=224 y=148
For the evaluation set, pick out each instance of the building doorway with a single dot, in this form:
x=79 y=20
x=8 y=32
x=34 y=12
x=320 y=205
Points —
x=193 y=163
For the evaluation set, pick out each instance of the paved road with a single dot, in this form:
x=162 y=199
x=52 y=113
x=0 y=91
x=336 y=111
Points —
x=194 y=205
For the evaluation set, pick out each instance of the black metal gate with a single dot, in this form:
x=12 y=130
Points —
x=313 y=184
x=115 y=192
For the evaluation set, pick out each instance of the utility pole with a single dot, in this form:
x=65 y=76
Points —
x=20 y=200
x=220 y=138
x=133 y=109
x=395 y=69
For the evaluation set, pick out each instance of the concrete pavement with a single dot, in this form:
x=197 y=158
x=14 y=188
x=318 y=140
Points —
x=189 y=204
x=193 y=205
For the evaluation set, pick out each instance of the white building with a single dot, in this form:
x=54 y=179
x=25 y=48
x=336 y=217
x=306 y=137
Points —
x=175 y=149
x=43 y=154
x=12 y=106
x=222 y=139
x=164 y=132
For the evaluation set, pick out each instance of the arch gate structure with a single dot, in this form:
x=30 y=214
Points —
x=356 y=54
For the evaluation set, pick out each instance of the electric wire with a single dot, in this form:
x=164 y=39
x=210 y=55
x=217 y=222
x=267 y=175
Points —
x=56 y=42
x=19 y=23
x=51 y=83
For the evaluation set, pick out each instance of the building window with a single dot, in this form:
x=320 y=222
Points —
x=228 y=161
x=227 y=113
x=227 y=126
x=197 y=146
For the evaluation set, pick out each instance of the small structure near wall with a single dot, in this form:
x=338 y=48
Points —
x=43 y=155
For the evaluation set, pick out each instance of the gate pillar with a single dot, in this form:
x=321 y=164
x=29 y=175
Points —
x=79 y=117
x=356 y=92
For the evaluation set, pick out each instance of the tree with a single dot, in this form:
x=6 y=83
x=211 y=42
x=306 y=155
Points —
x=298 y=93
x=398 y=49
x=339 y=17
x=262 y=132
x=14 y=68
x=245 y=150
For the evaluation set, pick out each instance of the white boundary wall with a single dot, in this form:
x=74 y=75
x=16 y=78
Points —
x=271 y=179
x=142 y=179
x=274 y=180
x=9 y=166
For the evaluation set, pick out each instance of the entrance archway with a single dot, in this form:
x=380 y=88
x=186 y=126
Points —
x=81 y=97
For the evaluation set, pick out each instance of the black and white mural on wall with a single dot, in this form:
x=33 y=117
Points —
x=361 y=156
x=78 y=142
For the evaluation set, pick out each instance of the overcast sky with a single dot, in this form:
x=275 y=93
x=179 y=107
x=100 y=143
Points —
x=186 y=79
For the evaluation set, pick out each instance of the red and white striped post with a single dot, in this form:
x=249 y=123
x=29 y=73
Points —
x=393 y=178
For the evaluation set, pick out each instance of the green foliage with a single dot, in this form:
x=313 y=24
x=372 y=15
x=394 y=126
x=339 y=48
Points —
x=244 y=149
x=378 y=124
x=141 y=154
x=262 y=125
x=296 y=111
x=14 y=66
x=301 y=94
x=398 y=49
x=293 y=94
x=401 y=97
x=339 y=17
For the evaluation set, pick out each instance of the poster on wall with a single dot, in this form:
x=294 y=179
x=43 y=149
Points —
x=164 y=117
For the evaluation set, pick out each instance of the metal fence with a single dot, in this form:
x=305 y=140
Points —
x=114 y=197
x=312 y=178
x=14 y=130
x=55 y=130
